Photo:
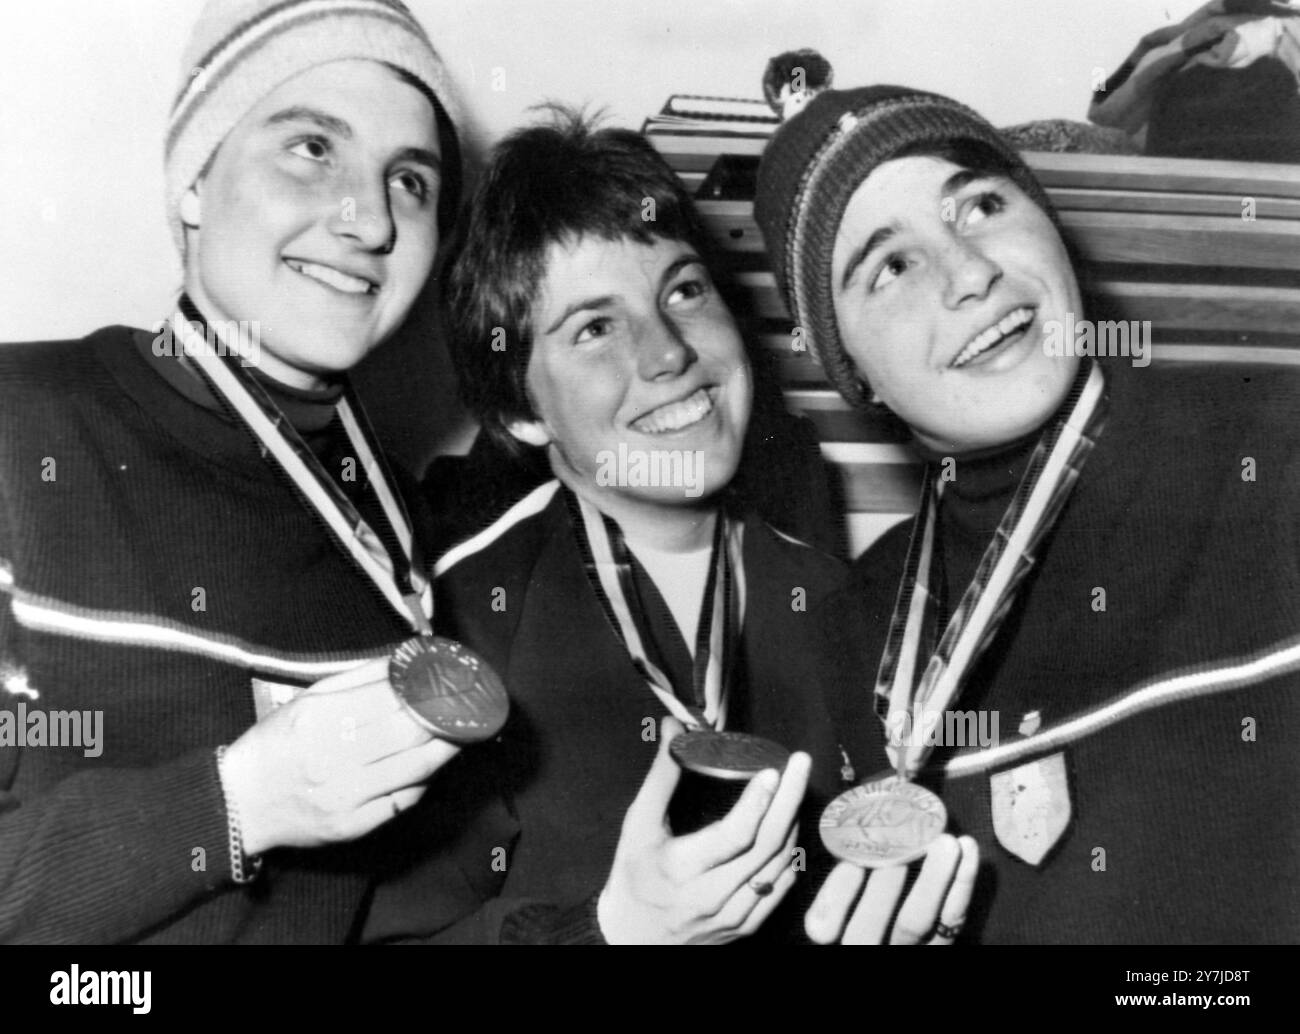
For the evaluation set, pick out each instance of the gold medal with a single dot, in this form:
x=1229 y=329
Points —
x=887 y=821
x=727 y=755
x=449 y=689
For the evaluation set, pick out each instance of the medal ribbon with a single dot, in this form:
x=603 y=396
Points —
x=412 y=600
x=1053 y=469
x=608 y=563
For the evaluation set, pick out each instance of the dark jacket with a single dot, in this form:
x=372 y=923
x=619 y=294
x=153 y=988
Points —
x=1185 y=823
x=152 y=563
x=581 y=734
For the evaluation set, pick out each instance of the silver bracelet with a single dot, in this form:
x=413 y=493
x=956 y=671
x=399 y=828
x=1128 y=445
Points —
x=243 y=868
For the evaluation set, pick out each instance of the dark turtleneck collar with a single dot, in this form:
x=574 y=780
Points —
x=975 y=500
x=309 y=410
x=983 y=482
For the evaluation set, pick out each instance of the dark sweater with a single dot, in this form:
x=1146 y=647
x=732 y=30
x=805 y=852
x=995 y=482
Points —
x=1196 y=824
x=575 y=750
x=147 y=498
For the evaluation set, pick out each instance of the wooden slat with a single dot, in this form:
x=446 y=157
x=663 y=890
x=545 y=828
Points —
x=1169 y=203
x=876 y=478
x=1139 y=172
x=1249 y=354
x=1103 y=236
x=1098 y=171
x=1210 y=241
x=1211 y=307
x=737 y=214
x=691 y=180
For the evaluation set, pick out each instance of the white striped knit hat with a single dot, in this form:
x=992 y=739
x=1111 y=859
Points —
x=241 y=50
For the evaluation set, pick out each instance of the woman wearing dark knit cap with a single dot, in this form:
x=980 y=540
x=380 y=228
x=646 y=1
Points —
x=1104 y=558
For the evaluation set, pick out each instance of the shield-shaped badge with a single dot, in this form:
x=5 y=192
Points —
x=1031 y=807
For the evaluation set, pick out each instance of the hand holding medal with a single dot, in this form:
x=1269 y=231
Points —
x=448 y=689
x=716 y=766
x=878 y=828
x=932 y=913
x=354 y=750
x=711 y=886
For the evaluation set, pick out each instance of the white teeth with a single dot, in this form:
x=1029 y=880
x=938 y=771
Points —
x=1015 y=320
x=332 y=277
x=676 y=415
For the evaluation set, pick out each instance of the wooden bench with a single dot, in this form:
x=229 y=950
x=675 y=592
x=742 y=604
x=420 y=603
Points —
x=1208 y=251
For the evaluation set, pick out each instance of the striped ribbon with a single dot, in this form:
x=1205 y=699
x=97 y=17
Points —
x=607 y=561
x=409 y=591
x=1053 y=470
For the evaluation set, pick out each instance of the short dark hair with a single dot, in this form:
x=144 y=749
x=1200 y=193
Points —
x=549 y=183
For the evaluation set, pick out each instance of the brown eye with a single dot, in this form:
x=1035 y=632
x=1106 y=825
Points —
x=986 y=204
x=413 y=183
x=687 y=290
x=597 y=328
x=894 y=266
x=313 y=148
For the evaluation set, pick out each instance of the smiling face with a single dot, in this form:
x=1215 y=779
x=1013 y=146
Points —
x=633 y=346
x=945 y=317
x=318 y=218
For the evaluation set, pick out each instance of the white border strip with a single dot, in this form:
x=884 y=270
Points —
x=1184 y=685
x=533 y=503
x=122 y=631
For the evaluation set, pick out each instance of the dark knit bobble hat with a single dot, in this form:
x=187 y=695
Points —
x=811 y=169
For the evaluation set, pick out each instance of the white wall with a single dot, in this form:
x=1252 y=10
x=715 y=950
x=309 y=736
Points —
x=85 y=86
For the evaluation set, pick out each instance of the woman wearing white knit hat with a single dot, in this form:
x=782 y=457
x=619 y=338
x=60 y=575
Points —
x=196 y=523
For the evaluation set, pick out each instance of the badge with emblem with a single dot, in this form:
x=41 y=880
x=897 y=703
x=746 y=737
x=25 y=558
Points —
x=1031 y=807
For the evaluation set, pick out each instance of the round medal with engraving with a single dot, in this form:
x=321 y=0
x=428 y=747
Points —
x=888 y=821
x=727 y=755
x=448 y=689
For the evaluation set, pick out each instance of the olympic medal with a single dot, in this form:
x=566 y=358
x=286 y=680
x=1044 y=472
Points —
x=727 y=755
x=887 y=821
x=449 y=689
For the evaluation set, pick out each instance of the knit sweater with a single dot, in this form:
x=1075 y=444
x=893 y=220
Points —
x=152 y=563
x=581 y=734
x=1176 y=552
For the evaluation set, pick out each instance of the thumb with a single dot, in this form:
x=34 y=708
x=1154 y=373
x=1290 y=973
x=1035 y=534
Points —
x=649 y=811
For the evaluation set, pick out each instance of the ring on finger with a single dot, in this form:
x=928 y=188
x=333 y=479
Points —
x=397 y=808
x=761 y=887
x=949 y=931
